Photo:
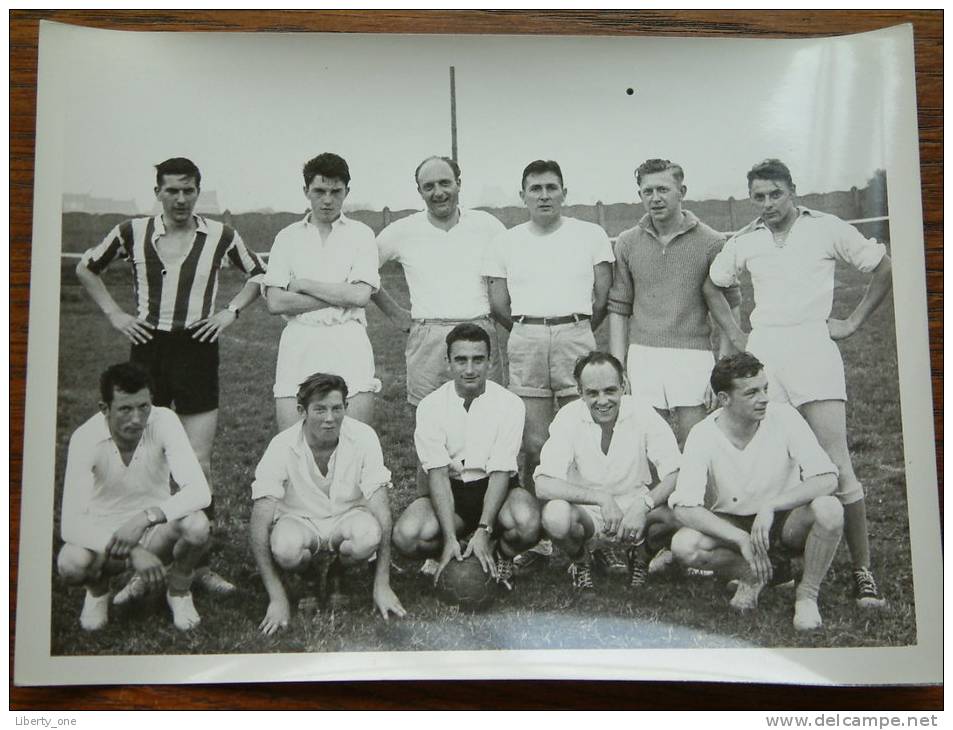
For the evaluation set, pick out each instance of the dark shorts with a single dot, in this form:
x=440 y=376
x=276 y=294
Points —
x=744 y=522
x=184 y=371
x=468 y=501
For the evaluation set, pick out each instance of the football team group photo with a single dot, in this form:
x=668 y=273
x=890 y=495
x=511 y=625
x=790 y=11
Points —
x=461 y=428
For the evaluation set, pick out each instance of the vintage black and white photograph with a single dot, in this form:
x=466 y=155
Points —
x=421 y=356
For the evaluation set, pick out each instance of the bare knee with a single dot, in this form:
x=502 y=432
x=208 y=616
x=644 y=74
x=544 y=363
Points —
x=522 y=517
x=76 y=564
x=686 y=546
x=828 y=513
x=365 y=537
x=194 y=528
x=288 y=551
x=406 y=534
x=557 y=519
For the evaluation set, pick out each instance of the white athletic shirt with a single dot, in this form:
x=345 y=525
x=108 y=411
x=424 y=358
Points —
x=473 y=443
x=549 y=275
x=794 y=283
x=443 y=268
x=717 y=475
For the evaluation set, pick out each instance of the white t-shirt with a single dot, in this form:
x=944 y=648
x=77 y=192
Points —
x=288 y=472
x=443 y=268
x=348 y=255
x=475 y=442
x=794 y=283
x=717 y=475
x=549 y=275
x=573 y=451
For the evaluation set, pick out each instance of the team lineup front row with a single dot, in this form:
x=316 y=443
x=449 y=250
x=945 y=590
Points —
x=753 y=484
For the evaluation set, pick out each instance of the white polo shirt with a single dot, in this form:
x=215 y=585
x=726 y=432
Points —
x=475 y=442
x=549 y=275
x=288 y=472
x=348 y=255
x=717 y=475
x=100 y=492
x=443 y=268
x=641 y=436
x=794 y=283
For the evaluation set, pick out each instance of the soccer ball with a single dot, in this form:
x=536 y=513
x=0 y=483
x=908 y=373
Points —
x=463 y=583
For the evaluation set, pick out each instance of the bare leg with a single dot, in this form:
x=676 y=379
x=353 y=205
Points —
x=361 y=407
x=567 y=525
x=286 y=412
x=685 y=419
x=417 y=531
x=520 y=521
x=539 y=414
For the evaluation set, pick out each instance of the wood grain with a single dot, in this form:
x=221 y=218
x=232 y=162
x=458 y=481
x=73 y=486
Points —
x=928 y=30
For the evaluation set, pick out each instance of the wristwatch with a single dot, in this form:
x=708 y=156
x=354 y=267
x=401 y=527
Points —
x=649 y=502
x=484 y=526
x=234 y=310
x=154 y=516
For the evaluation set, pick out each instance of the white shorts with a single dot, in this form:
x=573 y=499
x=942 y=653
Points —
x=802 y=362
x=340 y=349
x=321 y=530
x=625 y=502
x=667 y=377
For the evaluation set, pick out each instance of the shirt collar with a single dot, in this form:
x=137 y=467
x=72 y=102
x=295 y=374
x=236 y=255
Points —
x=342 y=220
x=456 y=396
x=158 y=225
x=801 y=210
x=689 y=221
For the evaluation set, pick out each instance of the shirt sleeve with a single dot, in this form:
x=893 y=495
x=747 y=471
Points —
x=271 y=474
x=374 y=474
x=661 y=445
x=365 y=268
x=849 y=245
x=622 y=291
x=245 y=260
x=430 y=438
x=117 y=243
x=76 y=527
x=279 y=264
x=803 y=445
x=509 y=439
x=601 y=246
x=557 y=454
x=494 y=260
x=725 y=267
x=732 y=291
x=193 y=493
x=693 y=474
x=387 y=245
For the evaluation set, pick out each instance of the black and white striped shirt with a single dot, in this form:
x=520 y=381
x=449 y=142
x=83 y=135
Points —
x=175 y=295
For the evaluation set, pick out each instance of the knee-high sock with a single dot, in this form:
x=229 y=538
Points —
x=819 y=551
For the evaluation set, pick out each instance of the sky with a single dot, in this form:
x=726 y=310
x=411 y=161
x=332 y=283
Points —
x=249 y=109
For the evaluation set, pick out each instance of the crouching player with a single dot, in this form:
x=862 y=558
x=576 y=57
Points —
x=468 y=435
x=118 y=509
x=754 y=488
x=321 y=486
x=595 y=472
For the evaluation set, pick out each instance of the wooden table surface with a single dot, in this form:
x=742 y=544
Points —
x=928 y=31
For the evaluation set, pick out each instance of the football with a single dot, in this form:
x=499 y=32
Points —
x=463 y=583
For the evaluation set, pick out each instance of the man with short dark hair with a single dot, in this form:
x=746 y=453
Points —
x=658 y=315
x=321 y=486
x=468 y=436
x=117 y=507
x=790 y=252
x=322 y=271
x=176 y=258
x=595 y=473
x=755 y=488
x=549 y=283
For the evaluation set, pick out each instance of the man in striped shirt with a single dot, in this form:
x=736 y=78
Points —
x=176 y=257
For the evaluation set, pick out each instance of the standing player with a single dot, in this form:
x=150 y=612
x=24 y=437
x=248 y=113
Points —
x=468 y=436
x=176 y=257
x=595 y=472
x=117 y=504
x=321 y=273
x=321 y=485
x=790 y=252
x=754 y=485
x=658 y=317
x=549 y=283
x=441 y=250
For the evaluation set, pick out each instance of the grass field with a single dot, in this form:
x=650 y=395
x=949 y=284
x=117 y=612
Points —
x=670 y=612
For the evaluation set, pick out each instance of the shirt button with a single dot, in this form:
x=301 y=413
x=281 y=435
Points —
x=164 y=272
x=734 y=499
